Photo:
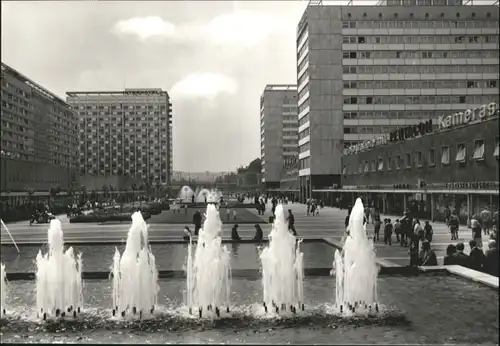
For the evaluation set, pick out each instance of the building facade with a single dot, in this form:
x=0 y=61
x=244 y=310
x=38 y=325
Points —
x=39 y=136
x=367 y=70
x=278 y=131
x=456 y=165
x=125 y=133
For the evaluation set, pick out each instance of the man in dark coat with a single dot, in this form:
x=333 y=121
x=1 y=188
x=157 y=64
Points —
x=461 y=258
x=476 y=256
x=491 y=260
x=197 y=222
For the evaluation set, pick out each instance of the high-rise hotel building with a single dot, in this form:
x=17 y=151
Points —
x=39 y=138
x=278 y=132
x=364 y=71
x=125 y=133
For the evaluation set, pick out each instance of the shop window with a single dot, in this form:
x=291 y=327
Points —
x=496 y=152
x=408 y=161
x=380 y=165
x=419 y=159
x=367 y=166
x=432 y=157
x=461 y=152
x=478 y=149
x=398 y=162
x=445 y=155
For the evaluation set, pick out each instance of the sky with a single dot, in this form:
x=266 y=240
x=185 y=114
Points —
x=214 y=59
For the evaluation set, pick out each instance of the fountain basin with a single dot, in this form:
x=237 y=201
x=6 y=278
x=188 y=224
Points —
x=427 y=308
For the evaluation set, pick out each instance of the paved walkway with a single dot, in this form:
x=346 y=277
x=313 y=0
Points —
x=329 y=224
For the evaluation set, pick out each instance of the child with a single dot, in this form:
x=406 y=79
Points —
x=388 y=232
x=428 y=231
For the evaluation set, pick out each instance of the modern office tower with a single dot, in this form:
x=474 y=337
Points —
x=39 y=136
x=125 y=133
x=278 y=131
x=366 y=70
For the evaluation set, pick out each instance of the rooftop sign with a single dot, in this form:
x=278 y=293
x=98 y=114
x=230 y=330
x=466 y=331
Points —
x=469 y=116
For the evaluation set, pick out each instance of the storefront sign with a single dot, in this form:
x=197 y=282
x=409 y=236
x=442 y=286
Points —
x=469 y=116
x=410 y=132
x=367 y=145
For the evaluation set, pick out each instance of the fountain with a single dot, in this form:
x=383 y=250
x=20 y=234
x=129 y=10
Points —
x=282 y=268
x=186 y=193
x=355 y=267
x=208 y=270
x=135 y=277
x=202 y=194
x=58 y=277
x=3 y=288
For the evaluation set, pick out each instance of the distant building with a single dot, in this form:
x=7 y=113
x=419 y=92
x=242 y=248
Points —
x=456 y=165
x=278 y=131
x=125 y=133
x=39 y=136
x=367 y=70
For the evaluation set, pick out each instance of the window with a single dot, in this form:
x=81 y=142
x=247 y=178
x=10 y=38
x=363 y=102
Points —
x=478 y=149
x=374 y=166
x=419 y=159
x=380 y=164
x=445 y=155
x=460 y=157
x=367 y=167
x=432 y=157
x=408 y=160
x=361 y=40
x=344 y=170
x=398 y=162
x=496 y=152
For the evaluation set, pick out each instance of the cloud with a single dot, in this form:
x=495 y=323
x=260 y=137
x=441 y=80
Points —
x=205 y=85
x=242 y=27
x=145 y=28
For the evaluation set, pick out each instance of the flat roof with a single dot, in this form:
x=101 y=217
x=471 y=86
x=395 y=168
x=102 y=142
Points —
x=125 y=92
x=51 y=96
x=280 y=87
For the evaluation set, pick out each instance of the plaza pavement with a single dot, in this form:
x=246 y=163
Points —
x=329 y=224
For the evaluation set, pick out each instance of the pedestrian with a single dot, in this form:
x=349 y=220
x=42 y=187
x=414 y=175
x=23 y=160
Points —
x=234 y=233
x=428 y=231
x=197 y=222
x=367 y=214
x=454 y=224
x=487 y=219
x=427 y=256
x=491 y=259
x=228 y=213
x=397 y=230
x=447 y=215
x=308 y=207
x=313 y=208
x=258 y=233
x=291 y=222
x=476 y=232
x=477 y=258
x=376 y=226
x=450 y=259
x=388 y=232
x=462 y=258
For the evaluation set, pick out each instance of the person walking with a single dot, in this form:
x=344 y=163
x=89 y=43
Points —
x=476 y=232
x=447 y=215
x=291 y=222
x=397 y=230
x=454 y=224
x=197 y=222
x=487 y=219
x=376 y=225
x=388 y=232
x=428 y=231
